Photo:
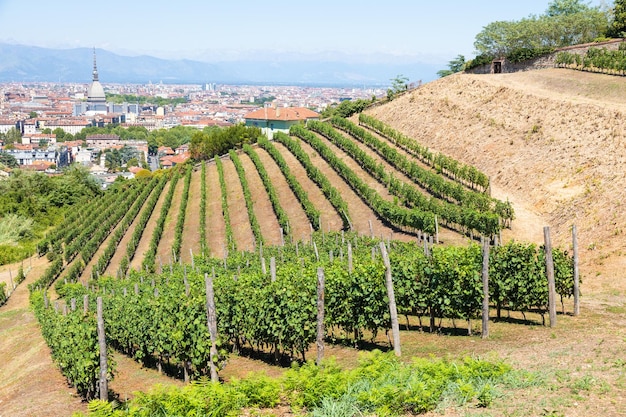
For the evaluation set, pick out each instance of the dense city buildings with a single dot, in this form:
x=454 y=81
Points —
x=33 y=114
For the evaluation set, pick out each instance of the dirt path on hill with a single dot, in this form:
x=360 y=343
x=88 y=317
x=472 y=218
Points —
x=146 y=236
x=263 y=210
x=164 y=249
x=298 y=221
x=330 y=219
x=191 y=228
x=31 y=384
x=216 y=227
x=360 y=214
x=242 y=233
x=121 y=247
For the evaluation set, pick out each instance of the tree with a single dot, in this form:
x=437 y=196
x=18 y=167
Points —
x=32 y=115
x=8 y=160
x=565 y=7
x=60 y=134
x=536 y=32
x=398 y=84
x=454 y=66
x=12 y=137
x=617 y=28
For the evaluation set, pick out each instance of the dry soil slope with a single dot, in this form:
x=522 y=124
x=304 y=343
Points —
x=552 y=141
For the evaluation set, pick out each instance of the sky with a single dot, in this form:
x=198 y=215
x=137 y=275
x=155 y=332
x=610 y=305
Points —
x=431 y=31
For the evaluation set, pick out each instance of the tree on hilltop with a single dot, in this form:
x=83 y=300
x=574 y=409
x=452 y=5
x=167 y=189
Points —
x=566 y=7
x=454 y=66
x=617 y=28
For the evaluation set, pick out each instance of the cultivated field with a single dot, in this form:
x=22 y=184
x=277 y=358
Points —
x=552 y=143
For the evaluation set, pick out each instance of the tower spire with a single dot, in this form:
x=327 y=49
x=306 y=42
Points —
x=95 y=69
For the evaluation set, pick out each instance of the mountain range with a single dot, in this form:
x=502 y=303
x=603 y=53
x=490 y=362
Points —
x=22 y=63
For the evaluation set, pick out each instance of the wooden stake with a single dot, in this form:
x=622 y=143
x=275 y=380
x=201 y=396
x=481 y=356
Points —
x=576 y=272
x=393 y=311
x=550 y=274
x=273 y=268
x=320 y=316
x=349 y=257
x=485 y=328
x=371 y=229
x=263 y=268
x=317 y=254
x=102 y=383
x=212 y=324
x=85 y=304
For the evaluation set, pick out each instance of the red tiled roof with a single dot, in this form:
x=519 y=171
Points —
x=282 y=113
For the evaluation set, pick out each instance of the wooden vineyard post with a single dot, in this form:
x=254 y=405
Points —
x=485 y=328
x=436 y=230
x=550 y=274
x=371 y=229
x=393 y=311
x=273 y=268
x=320 y=316
x=317 y=254
x=73 y=304
x=576 y=272
x=85 y=303
x=212 y=323
x=102 y=384
x=349 y=257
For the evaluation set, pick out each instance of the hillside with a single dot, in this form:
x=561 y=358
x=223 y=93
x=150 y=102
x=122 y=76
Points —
x=553 y=143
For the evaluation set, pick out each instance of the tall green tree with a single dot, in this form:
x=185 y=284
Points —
x=454 y=66
x=617 y=28
x=565 y=7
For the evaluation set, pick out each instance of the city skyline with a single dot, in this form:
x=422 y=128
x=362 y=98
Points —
x=429 y=32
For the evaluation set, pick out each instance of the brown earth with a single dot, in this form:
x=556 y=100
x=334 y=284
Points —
x=360 y=214
x=146 y=236
x=330 y=220
x=240 y=222
x=164 y=253
x=263 y=210
x=216 y=227
x=121 y=247
x=298 y=221
x=552 y=142
x=191 y=227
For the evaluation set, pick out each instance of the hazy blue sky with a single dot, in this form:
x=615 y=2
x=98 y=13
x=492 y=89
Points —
x=431 y=30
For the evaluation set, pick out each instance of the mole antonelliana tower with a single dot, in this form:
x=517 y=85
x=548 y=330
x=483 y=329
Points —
x=96 y=100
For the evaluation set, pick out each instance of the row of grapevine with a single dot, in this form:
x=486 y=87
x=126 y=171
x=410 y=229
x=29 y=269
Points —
x=150 y=256
x=463 y=217
x=68 y=225
x=247 y=196
x=50 y=274
x=331 y=193
x=435 y=183
x=152 y=315
x=203 y=208
x=230 y=238
x=180 y=222
x=400 y=217
x=131 y=247
x=281 y=214
x=596 y=60
x=93 y=222
x=311 y=212
x=120 y=231
x=440 y=162
x=73 y=341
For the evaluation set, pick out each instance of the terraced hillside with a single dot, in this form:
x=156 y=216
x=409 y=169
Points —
x=550 y=142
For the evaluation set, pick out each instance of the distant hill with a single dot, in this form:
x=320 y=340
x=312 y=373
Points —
x=30 y=63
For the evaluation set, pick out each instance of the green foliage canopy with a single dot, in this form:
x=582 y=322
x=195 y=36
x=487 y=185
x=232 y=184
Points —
x=214 y=141
x=567 y=22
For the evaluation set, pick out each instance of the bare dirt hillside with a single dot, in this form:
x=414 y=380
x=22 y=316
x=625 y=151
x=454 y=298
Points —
x=552 y=141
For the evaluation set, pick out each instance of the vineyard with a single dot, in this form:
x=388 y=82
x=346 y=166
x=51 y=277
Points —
x=222 y=259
